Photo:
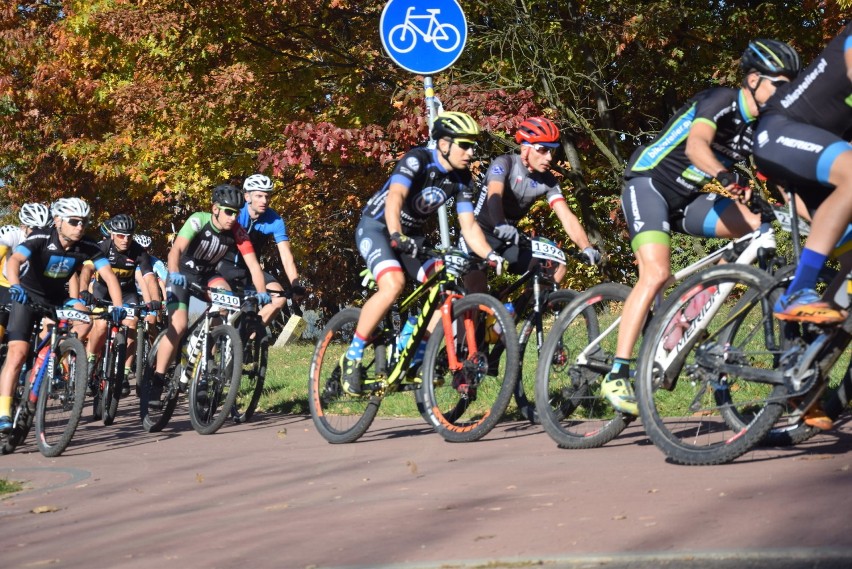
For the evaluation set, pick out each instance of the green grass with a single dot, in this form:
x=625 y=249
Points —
x=9 y=486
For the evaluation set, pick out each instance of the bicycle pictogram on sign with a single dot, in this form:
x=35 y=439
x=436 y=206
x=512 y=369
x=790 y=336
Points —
x=423 y=36
x=403 y=37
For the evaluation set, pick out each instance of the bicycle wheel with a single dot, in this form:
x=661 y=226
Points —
x=525 y=385
x=154 y=420
x=577 y=354
x=61 y=398
x=212 y=393
x=112 y=384
x=255 y=357
x=340 y=418
x=685 y=401
x=143 y=348
x=464 y=404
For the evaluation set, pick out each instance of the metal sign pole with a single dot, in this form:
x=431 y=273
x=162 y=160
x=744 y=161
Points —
x=432 y=106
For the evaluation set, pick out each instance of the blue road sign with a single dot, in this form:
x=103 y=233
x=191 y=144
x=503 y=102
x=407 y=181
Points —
x=423 y=36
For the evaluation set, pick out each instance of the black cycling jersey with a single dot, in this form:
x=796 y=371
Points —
x=429 y=186
x=124 y=265
x=665 y=159
x=51 y=265
x=208 y=245
x=820 y=95
x=521 y=189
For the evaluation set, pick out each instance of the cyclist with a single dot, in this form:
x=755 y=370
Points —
x=161 y=272
x=711 y=132
x=514 y=182
x=390 y=231
x=130 y=263
x=32 y=216
x=202 y=242
x=262 y=222
x=53 y=255
x=801 y=142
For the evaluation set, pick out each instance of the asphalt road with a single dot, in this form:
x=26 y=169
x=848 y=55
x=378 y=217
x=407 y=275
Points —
x=273 y=493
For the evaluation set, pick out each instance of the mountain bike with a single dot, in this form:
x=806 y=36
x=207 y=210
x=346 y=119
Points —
x=570 y=405
x=255 y=341
x=146 y=333
x=108 y=373
x=208 y=367
x=464 y=383
x=51 y=387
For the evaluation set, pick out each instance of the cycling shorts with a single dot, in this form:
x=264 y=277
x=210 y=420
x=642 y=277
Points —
x=373 y=241
x=648 y=212
x=128 y=295
x=240 y=277
x=5 y=301
x=177 y=297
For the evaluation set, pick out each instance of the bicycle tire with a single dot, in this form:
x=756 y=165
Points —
x=255 y=359
x=112 y=384
x=143 y=348
x=683 y=407
x=569 y=403
x=154 y=421
x=464 y=405
x=338 y=417
x=61 y=398
x=222 y=377
x=525 y=386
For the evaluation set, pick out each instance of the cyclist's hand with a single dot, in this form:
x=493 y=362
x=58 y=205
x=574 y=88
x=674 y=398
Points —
x=593 y=255
x=507 y=232
x=497 y=262
x=734 y=183
x=117 y=313
x=403 y=244
x=297 y=291
x=177 y=279
x=263 y=298
x=18 y=294
x=87 y=298
x=154 y=306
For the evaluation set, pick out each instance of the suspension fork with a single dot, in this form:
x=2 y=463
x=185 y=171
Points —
x=447 y=322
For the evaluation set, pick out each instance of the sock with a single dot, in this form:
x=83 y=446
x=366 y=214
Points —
x=5 y=405
x=356 y=348
x=620 y=369
x=809 y=267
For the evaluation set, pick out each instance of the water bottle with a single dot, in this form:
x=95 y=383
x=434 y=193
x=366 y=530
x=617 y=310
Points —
x=405 y=333
x=33 y=373
x=493 y=329
x=194 y=346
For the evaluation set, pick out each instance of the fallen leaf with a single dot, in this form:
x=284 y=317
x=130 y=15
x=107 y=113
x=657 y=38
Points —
x=45 y=509
x=282 y=433
x=412 y=466
x=619 y=517
x=199 y=478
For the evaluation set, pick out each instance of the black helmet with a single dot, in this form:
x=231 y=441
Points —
x=226 y=195
x=121 y=223
x=454 y=125
x=771 y=57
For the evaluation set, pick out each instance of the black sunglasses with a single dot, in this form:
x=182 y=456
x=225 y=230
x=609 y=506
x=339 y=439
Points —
x=77 y=222
x=466 y=145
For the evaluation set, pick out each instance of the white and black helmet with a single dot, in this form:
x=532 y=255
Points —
x=8 y=229
x=257 y=183
x=142 y=239
x=70 y=207
x=35 y=215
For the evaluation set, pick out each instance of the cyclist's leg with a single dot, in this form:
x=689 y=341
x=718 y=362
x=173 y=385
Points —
x=276 y=291
x=823 y=177
x=6 y=300
x=18 y=336
x=647 y=213
x=713 y=215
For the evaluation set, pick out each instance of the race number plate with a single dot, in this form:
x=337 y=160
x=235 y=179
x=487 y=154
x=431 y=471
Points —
x=225 y=300
x=131 y=312
x=71 y=314
x=547 y=251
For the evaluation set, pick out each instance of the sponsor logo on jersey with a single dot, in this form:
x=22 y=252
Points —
x=497 y=169
x=365 y=246
x=429 y=200
x=195 y=223
x=51 y=247
x=59 y=267
x=412 y=162
x=406 y=171
x=762 y=138
x=799 y=144
x=807 y=80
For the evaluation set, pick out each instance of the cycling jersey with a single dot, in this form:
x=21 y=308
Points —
x=51 y=265
x=208 y=245
x=665 y=158
x=521 y=189
x=10 y=237
x=268 y=224
x=820 y=95
x=429 y=186
x=124 y=265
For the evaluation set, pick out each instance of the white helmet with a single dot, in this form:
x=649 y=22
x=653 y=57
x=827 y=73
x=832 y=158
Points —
x=8 y=229
x=142 y=239
x=35 y=215
x=257 y=183
x=70 y=207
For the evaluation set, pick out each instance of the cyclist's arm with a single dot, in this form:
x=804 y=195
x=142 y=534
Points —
x=111 y=281
x=13 y=268
x=178 y=249
x=143 y=284
x=288 y=261
x=571 y=224
x=85 y=277
x=494 y=201
x=698 y=149
x=255 y=271
x=393 y=207
x=473 y=234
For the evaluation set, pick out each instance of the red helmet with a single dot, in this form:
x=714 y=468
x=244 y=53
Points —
x=537 y=130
